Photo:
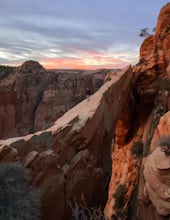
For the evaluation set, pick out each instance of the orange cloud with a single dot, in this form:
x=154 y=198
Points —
x=88 y=59
x=63 y=63
x=91 y=59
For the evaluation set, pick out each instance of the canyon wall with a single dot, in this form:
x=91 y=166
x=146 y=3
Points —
x=139 y=188
x=154 y=185
x=72 y=157
x=154 y=196
x=126 y=121
x=32 y=98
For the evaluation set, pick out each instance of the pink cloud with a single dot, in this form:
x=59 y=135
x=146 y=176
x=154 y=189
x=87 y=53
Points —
x=84 y=63
x=88 y=59
x=63 y=63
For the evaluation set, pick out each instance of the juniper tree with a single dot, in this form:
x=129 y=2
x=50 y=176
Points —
x=144 y=32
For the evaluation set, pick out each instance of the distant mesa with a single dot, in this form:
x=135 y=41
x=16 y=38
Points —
x=31 y=66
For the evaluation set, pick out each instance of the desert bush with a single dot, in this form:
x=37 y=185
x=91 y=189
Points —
x=142 y=61
x=164 y=144
x=144 y=32
x=18 y=200
x=137 y=148
x=119 y=196
x=82 y=212
x=161 y=84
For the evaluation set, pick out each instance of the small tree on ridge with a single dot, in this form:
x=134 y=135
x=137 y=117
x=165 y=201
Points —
x=144 y=32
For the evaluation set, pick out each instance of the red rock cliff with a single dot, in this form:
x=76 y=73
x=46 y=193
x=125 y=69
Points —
x=72 y=157
x=155 y=51
x=32 y=98
x=135 y=136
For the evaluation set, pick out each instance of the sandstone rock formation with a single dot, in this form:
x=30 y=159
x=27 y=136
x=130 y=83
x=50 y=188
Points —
x=32 y=98
x=135 y=129
x=154 y=185
x=162 y=130
x=157 y=186
x=119 y=122
x=125 y=167
x=155 y=51
x=153 y=194
x=72 y=157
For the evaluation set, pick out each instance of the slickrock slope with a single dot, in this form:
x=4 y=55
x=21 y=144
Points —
x=72 y=157
x=154 y=185
x=32 y=98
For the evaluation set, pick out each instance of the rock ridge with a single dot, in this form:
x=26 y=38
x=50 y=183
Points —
x=75 y=152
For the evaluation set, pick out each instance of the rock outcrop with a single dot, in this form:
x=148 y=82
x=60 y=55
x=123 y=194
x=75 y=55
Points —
x=135 y=135
x=121 y=121
x=125 y=168
x=157 y=186
x=32 y=98
x=72 y=157
x=162 y=130
x=155 y=51
x=154 y=185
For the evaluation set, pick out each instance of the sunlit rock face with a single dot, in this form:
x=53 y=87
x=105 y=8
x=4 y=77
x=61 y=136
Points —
x=155 y=51
x=72 y=158
x=126 y=153
x=32 y=98
x=133 y=137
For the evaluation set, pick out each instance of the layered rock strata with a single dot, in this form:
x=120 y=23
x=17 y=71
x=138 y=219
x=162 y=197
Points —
x=154 y=185
x=72 y=157
x=149 y=104
x=32 y=98
x=155 y=51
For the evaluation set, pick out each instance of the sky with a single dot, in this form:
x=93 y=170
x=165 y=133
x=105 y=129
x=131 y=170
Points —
x=82 y=34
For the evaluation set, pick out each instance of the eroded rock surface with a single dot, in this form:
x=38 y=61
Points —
x=155 y=51
x=157 y=186
x=134 y=131
x=32 y=98
x=154 y=185
x=72 y=157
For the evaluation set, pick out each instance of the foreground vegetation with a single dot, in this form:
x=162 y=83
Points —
x=18 y=200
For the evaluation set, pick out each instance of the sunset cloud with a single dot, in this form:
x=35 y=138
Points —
x=91 y=60
x=79 y=34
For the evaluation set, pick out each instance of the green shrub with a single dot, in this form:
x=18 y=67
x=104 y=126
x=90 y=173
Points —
x=161 y=84
x=119 y=196
x=18 y=200
x=142 y=61
x=137 y=148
